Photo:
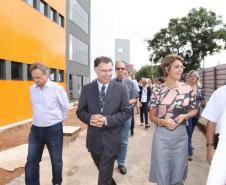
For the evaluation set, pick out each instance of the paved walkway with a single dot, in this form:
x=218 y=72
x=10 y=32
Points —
x=80 y=170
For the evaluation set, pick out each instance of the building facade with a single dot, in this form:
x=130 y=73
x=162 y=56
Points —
x=78 y=46
x=30 y=30
x=122 y=50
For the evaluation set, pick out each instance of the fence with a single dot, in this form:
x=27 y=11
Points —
x=212 y=78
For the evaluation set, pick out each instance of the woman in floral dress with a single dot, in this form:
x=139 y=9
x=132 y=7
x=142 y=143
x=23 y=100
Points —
x=193 y=81
x=171 y=105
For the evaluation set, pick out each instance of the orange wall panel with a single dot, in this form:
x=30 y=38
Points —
x=15 y=101
x=26 y=35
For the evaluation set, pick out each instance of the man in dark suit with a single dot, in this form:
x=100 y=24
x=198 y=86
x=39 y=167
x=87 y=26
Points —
x=104 y=106
x=144 y=98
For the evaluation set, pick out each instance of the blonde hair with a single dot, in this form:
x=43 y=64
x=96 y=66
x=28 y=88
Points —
x=196 y=74
x=168 y=60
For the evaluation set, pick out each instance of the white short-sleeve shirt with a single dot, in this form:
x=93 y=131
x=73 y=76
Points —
x=215 y=107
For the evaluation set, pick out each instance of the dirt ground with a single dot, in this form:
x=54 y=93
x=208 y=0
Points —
x=19 y=135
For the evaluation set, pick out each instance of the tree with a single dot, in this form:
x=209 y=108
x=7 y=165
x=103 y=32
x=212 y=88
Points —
x=148 y=71
x=195 y=36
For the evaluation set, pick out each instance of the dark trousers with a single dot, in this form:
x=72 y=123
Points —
x=132 y=121
x=144 y=113
x=105 y=165
x=39 y=137
x=190 y=128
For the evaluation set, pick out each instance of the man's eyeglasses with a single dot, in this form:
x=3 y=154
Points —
x=120 y=68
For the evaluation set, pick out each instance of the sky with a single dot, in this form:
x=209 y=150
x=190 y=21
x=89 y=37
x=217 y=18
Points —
x=140 y=20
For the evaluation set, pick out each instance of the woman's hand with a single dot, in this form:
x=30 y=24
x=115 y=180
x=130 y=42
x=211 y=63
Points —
x=168 y=123
x=181 y=118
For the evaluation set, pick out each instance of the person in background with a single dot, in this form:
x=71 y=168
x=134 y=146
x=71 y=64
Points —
x=136 y=105
x=160 y=80
x=104 y=107
x=171 y=105
x=120 y=67
x=49 y=106
x=215 y=113
x=133 y=78
x=144 y=98
x=193 y=81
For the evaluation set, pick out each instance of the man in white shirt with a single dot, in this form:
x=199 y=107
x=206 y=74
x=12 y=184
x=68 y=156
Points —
x=214 y=112
x=49 y=106
x=144 y=98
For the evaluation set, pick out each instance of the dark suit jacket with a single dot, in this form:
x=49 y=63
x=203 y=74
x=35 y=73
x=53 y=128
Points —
x=116 y=110
x=148 y=93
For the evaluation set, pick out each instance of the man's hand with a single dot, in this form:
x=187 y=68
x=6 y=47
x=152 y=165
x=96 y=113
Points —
x=210 y=153
x=98 y=120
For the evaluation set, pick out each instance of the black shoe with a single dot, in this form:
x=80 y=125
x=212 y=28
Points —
x=122 y=169
x=147 y=126
x=132 y=133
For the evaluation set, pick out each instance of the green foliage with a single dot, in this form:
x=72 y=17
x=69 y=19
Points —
x=149 y=71
x=195 y=36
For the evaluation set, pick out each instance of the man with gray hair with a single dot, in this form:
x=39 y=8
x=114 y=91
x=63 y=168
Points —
x=120 y=68
x=49 y=106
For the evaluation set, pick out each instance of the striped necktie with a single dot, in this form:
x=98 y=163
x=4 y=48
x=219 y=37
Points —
x=102 y=96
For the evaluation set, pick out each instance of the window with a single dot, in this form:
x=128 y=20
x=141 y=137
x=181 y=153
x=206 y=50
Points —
x=43 y=8
x=31 y=2
x=29 y=77
x=78 y=50
x=52 y=74
x=16 y=71
x=61 y=76
x=61 y=20
x=120 y=50
x=53 y=15
x=78 y=15
x=2 y=69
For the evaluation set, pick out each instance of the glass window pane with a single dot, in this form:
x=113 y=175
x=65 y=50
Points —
x=61 y=20
x=78 y=50
x=16 y=71
x=53 y=15
x=78 y=15
x=2 y=69
x=53 y=74
x=30 y=2
x=43 y=8
x=61 y=76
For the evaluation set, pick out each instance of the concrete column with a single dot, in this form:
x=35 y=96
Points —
x=8 y=70
x=24 y=71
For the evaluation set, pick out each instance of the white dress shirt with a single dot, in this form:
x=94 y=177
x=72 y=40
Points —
x=144 y=95
x=49 y=104
x=100 y=86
